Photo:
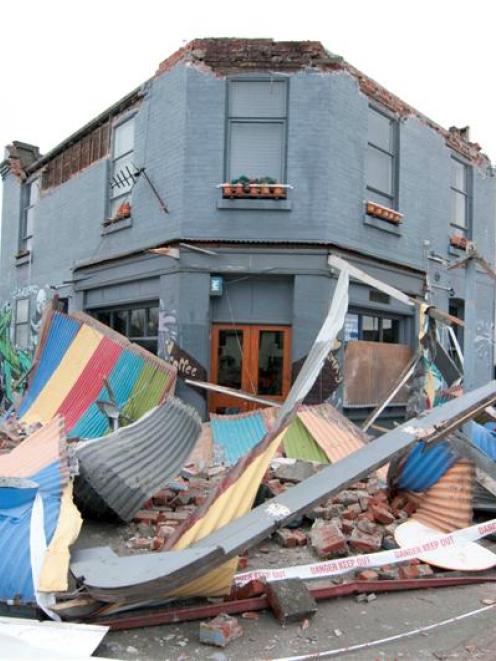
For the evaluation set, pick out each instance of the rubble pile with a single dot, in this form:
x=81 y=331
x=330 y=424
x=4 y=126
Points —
x=13 y=432
x=169 y=507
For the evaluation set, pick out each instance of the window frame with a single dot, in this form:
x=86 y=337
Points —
x=22 y=323
x=394 y=155
x=467 y=229
x=24 y=240
x=112 y=159
x=246 y=119
x=128 y=308
x=402 y=331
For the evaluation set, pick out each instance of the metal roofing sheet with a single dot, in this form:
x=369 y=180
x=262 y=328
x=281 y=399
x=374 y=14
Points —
x=94 y=422
x=483 y=438
x=299 y=443
x=62 y=331
x=125 y=468
x=337 y=436
x=89 y=383
x=64 y=377
x=237 y=434
x=447 y=505
x=425 y=465
x=49 y=475
x=149 y=389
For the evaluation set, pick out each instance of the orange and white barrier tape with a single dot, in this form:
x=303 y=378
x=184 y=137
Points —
x=394 y=556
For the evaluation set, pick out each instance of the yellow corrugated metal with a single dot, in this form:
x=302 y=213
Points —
x=336 y=435
x=65 y=376
x=37 y=451
x=230 y=503
x=447 y=505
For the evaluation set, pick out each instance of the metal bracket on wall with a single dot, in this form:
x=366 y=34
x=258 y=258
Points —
x=142 y=171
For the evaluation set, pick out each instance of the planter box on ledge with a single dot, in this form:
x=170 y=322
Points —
x=378 y=211
x=254 y=191
x=457 y=241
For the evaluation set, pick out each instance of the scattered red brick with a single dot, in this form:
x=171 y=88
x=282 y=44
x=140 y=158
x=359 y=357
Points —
x=147 y=516
x=290 y=538
x=253 y=588
x=327 y=540
x=365 y=543
x=382 y=515
x=220 y=631
x=367 y=575
x=415 y=571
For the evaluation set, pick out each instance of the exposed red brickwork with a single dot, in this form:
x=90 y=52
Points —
x=226 y=56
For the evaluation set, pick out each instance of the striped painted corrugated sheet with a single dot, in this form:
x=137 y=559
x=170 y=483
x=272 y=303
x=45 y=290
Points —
x=42 y=461
x=236 y=435
x=78 y=355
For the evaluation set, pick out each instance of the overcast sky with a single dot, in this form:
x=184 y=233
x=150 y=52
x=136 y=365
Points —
x=64 y=62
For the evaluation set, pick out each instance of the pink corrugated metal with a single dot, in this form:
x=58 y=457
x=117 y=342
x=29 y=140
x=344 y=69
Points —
x=447 y=505
x=336 y=435
x=37 y=451
x=203 y=451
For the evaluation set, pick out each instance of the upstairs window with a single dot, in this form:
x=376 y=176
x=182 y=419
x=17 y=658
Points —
x=256 y=132
x=381 y=159
x=121 y=175
x=30 y=198
x=21 y=337
x=460 y=197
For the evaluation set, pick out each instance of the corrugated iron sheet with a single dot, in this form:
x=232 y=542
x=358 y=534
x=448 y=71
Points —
x=34 y=460
x=94 y=422
x=125 y=468
x=236 y=435
x=78 y=354
x=337 y=436
x=299 y=443
x=426 y=465
x=90 y=381
x=62 y=332
x=203 y=451
x=447 y=505
x=483 y=438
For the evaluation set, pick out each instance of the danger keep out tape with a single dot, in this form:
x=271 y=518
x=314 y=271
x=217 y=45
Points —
x=394 y=556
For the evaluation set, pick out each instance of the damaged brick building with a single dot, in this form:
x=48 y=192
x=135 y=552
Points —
x=197 y=214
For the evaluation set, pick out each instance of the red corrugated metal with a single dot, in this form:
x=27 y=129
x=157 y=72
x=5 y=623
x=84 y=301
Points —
x=90 y=382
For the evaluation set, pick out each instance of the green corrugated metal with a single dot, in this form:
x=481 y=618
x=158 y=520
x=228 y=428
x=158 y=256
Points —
x=147 y=391
x=299 y=444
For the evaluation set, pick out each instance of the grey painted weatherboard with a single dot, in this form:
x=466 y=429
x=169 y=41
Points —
x=165 y=572
x=129 y=465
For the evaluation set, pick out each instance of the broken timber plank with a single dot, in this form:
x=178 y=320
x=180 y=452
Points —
x=232 y=392
x=152 y=575
x=406 y=373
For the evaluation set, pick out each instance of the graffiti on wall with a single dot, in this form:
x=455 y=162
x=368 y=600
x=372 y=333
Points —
x=15 y=363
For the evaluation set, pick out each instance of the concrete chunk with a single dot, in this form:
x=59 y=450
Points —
x=290 y=600
x=220 y=631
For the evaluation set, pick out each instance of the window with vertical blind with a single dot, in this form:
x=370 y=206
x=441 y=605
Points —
x=381 y=159
x=460 y=197
x=139 y=323
x=256 y=132
x=121 y=176
x=31 y=193
x=21 y=332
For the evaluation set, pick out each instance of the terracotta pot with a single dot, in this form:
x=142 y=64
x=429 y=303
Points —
x=264 y=189
x=239 y=190
x=227 y=190
x=254 y=190
x=278 y=191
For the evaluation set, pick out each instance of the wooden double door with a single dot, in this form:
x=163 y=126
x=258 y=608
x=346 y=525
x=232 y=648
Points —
x=252 y=358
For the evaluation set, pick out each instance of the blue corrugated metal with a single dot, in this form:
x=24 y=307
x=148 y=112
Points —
x=236 y=436
x=426 y=465
x=122 y=379
x=16 y=579
x=484 y=439
x=61 y=334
